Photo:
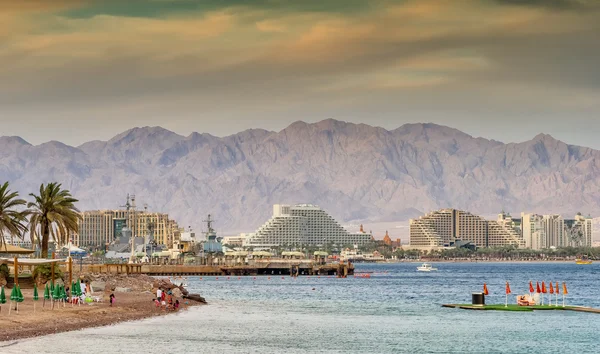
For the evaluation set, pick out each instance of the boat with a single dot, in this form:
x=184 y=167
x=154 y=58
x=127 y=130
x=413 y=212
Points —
x=425 y=267
x=583 y=261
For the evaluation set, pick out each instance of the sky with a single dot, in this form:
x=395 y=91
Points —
x=80 y=70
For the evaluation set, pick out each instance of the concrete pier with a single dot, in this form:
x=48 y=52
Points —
x=280 y=267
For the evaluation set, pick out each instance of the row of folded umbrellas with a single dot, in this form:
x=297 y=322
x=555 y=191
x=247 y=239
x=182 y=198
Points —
x=51 y=291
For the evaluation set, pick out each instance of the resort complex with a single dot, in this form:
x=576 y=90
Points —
x=303 y=224
x=448 y=227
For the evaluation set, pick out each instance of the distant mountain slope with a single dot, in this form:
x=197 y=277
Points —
x=357 y=172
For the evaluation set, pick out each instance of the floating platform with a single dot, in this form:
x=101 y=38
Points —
x=512 y=307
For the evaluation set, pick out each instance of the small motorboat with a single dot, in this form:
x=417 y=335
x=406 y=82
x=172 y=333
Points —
x=426 y=267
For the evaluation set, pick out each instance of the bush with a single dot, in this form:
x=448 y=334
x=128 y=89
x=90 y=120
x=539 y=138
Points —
x=43 y=273
x=4 y=272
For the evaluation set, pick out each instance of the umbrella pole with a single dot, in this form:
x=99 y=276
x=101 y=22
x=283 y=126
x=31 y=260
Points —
x=9 y=307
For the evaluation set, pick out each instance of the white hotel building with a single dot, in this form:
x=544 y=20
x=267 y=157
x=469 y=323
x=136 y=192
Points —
x=302 y=224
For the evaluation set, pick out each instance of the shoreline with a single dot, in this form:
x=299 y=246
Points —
x=129 y=306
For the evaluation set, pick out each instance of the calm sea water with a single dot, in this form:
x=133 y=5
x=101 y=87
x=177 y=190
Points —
x=397 y=310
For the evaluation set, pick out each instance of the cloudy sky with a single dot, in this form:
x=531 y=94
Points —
x=78 y=70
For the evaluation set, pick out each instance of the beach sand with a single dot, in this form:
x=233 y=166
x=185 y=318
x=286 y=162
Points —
x=26 y=323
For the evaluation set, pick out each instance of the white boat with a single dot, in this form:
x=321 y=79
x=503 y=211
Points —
x=425 y=267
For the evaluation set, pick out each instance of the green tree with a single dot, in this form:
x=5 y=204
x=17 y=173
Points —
x=53 y=214
x=12 y=221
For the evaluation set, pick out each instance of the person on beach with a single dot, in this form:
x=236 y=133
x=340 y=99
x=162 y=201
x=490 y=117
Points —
x=156 y=303
x=176 y=306
x=159 y=294
x=112 y=299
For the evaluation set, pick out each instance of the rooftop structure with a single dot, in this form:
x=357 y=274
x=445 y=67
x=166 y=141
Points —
x=303 y=224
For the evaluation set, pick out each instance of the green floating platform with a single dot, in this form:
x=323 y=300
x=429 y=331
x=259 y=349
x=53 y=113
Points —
x=502 y=307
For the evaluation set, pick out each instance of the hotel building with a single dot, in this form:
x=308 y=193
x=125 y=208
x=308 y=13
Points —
x=99 y=227
x=444 y=227
x=545 y=231
x=303 y=224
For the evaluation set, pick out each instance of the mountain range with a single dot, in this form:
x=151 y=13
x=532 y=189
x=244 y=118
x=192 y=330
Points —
x=357 y=172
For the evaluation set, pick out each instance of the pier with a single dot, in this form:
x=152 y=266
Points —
x=275 y=267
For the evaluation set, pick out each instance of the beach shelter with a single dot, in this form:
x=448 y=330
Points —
x=2 y=298
x=485 y=290
x=36 y=296
x=508 y=292
x=565 y=292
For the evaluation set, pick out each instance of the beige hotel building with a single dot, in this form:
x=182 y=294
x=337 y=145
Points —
x=99 y=227
x=442 y=228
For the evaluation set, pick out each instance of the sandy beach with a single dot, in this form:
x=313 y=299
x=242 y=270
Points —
x=26 y=323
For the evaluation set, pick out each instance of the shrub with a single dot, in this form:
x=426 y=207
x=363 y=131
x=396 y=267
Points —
x=43 y=272
x=4 y=272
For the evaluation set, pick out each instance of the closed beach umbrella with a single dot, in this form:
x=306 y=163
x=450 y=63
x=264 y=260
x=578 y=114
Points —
x=507 y=293
x=565 y=292
x=55 y=295
x=20 y=297
x=557 y=291
x=13 y=297
x=46 y=294
x=531 y=291
x=551 y=288
x=36 y=296
x=485 y=289
x=537 y=287
x=2 y=298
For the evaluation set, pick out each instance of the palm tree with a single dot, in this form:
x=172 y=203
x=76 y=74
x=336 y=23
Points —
x=12 y=221
x=53 y=214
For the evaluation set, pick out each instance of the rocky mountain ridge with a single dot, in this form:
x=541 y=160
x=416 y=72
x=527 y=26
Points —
x=358 y=173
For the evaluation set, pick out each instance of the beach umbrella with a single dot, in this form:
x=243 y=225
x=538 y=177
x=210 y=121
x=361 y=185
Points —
x=551 y=291
x=2 y=297
x=531 y=291
x=557 y=291
x=20 y=297
x=46 y=294
x=63 y=295
x=55 y=295
x=36 y=296
x=507 y=293
x=544 y=291
x=20 y=294
x=485 y=289
x=78 y=292
x=565 y=292
x=14 y=295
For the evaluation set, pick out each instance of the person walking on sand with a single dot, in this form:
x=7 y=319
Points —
x=159 y=294
x=112 y=299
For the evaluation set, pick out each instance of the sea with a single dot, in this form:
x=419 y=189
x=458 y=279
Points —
x=396 y=310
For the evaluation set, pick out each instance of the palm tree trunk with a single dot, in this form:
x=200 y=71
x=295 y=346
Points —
x=45 y=237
